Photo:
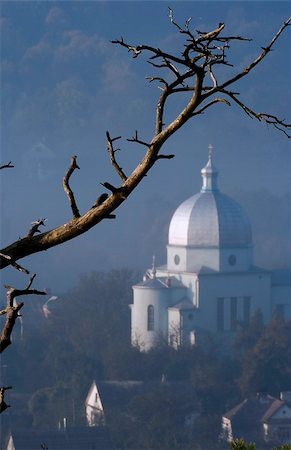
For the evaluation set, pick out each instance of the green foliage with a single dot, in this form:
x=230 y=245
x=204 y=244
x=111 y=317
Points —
x=240 y=444
x=266 y=366
x=283 y=447
x=49 y=406
x=248 y=334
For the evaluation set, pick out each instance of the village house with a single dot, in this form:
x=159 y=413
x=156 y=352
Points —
x=262 y=419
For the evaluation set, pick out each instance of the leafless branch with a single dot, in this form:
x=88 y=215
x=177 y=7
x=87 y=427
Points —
x=261 y=117
x=215 y=100
x=137 y=140
x=3 y=404
x=7 y=166
x=12 y=310
x=14 y=263
x=165 y=156
x=67 y=188
x=112 y=152
x=35 y=227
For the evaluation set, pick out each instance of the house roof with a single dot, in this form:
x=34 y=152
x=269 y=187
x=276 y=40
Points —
x=274 y=407
x=259 y=409
x=79 y=438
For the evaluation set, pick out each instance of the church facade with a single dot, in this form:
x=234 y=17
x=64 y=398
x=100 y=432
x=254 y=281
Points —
x=210 y=282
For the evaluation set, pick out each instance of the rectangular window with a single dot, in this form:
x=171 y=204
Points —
x=220 y=314
x=233 y=313
x=246 y=309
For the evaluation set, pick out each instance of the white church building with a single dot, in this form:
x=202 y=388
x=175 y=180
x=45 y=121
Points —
x=210 y=282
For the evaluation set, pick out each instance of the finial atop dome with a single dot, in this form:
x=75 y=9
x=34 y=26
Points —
x=154 y=270
x=209 y=173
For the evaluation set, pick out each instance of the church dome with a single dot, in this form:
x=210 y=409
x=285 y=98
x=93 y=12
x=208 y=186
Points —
x=210 y=218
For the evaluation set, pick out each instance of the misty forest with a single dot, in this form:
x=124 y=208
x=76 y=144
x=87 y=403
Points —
x=56 y=341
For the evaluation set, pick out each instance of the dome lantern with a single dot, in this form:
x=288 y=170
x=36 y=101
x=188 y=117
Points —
x=209 y=174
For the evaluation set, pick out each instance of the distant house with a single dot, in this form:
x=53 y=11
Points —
x=106 y=396
x=262 y=419
x=94 y=408
x=84 y=438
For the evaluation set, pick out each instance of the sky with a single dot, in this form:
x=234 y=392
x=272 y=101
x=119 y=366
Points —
x=64 y=84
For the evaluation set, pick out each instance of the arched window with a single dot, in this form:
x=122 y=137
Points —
x=151 y=318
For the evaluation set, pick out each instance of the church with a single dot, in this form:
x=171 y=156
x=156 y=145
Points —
x=210 y=282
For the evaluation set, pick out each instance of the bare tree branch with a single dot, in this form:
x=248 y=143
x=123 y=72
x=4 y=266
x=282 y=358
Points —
x=7 y=166
x=68 y=189
x=137 y=140
x=14 y=264
x=215 y=100
x=112 y=152
x=3 y=404
x=12 y=310
x=35 y=227
x=261 y=117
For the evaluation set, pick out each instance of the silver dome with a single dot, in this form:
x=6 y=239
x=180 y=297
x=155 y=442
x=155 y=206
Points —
x=210 y=218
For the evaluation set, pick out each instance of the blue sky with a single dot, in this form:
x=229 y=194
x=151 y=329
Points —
x=64 y=84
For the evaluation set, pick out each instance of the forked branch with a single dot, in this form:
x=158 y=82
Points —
x=12 y=310
x=7 y=166
x=67 y=188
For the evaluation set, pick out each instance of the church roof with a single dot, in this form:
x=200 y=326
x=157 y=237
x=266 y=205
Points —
x=160 y=283
x=183 y=304
x=210 y=218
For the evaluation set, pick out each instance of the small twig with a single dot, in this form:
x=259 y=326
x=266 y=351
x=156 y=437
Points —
x=110 y=187
x=215 y=100
x=261 y=117
x=35 y=227
x=138 y=141
x=68 y=189
x=14 y=263
x=112 y=152
x=7 y=166
x=165 y=156
x=3 y=404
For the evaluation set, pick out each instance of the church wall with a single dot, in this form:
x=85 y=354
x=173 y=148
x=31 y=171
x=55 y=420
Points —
x=189 y=259
x=174 y=328
x=222 y=299
x=236 y=259
x=160 y=299
x=188 y=279
x=177 y=258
